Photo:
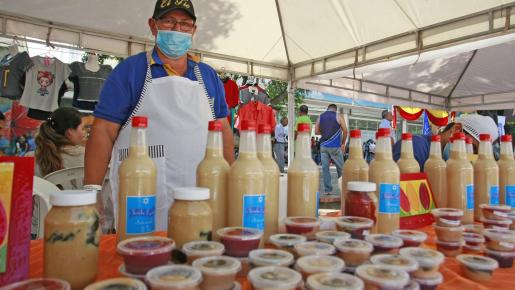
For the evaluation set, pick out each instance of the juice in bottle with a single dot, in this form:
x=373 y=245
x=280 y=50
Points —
x=436 y=170
x=407 y=163
x=507 y=172
x=355 y=168
x=486 y=176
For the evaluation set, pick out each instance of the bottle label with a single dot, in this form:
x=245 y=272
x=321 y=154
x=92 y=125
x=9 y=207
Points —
x=254 y=211
x=141 y=214
x=318 y=203
x=470 y=196
x=510 y=195
x=494 y=195
x=389 y=198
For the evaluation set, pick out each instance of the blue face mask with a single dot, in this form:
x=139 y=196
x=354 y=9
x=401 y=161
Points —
x=446 y=151
x=173 y=44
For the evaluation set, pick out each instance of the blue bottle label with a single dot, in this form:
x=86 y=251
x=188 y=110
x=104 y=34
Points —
x=494 y=194
x=141 y=214
x=389 y=198
x=470 y=196
x=254 y=211
x=510 y=195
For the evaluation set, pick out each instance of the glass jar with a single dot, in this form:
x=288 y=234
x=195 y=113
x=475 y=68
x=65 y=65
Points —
x=361 y=200
x=72 y=237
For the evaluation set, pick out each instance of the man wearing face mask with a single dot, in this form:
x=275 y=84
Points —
x=179 y=95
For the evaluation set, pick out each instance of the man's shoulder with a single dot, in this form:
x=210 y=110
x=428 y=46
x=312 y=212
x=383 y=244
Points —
x=132 y=63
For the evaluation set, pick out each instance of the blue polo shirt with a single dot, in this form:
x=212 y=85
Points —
x=122 y=89
x=421 y=147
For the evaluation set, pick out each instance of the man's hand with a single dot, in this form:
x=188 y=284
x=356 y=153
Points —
x=343 y=148
x=228 y=140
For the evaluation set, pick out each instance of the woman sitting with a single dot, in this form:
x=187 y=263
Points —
x=58 y=144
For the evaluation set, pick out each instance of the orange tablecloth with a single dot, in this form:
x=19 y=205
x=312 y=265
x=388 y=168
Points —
x=503 y=279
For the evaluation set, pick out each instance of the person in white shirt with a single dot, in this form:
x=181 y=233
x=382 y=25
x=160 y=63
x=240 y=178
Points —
x=281 y=138
x=386 y=122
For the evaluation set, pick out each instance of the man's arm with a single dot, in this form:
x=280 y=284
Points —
x=98 y=150
x=343 y=125
x=228 y=140
x=317 y=127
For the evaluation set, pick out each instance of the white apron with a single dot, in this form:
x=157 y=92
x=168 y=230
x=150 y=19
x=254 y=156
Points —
x=178 y=111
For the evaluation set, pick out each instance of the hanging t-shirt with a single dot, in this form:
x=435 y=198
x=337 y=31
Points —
x=42 y=84
x=257 y=94
x=231 y=93
x=87 y=84
x=257 y=112
x=13 y=69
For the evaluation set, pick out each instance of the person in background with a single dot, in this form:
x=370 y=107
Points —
x=58 y=143
x=303 y=118
x=333 y=129
x=386 y=122
x=281 y=138
x=471 y=125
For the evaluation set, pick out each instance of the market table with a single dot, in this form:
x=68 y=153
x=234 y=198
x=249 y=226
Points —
x=110 y=261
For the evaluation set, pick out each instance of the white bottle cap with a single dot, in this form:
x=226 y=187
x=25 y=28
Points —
x=361 y=186
x=191 y=193
x=73 y=197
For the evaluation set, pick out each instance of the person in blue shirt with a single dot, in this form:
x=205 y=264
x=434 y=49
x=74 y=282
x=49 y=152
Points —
x=179 y=95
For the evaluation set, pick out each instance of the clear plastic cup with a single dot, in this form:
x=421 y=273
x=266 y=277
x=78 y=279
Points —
x=474 y=228
x=239 y=241
x=354 y=252
x=448 y=234
x=174 y=277
x=429 y=283
x=308 y=265
x=357 y=227
x=302 y=225
x=511 y=216
x=429 y=261
x=286 y=242
x=141 y=254
x=270 y=257
x=505 y=259
x=384 y=243
x=412 y=286
x=218 y=272
x=403 y=263
x=334 y=281
x=273 y=277
x=199 y=249
x=498 y=224
x=331 y=236
x=473 y=239
x=449 y=249
x=500 y=240
x=410 y=238
x=39 y=284
x=447 y=217
x=477 y=268
x=382 y=277
x=495 y=212
x=118 y=283
x=314 y=248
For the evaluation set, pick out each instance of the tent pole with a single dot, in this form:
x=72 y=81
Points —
x=291 y=118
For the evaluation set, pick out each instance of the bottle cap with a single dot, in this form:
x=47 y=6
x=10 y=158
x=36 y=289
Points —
x=264 y=129
x=468 y=139
x=248 y=125
x=506 y=138
x=407 y=136
x=304 y=127
x=384 y=131
x=139 y=122
x=191 y=193
x=484 y=137
x=214 y=126
x=459 y=136
x=73 y=197
x=355 y=133
x=436 y=138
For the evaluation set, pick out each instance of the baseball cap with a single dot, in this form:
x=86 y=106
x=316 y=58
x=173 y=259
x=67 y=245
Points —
x=164 y=6
x=476 y=125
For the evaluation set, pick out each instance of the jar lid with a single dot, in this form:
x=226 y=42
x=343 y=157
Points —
x=273 y=277
x=302 y=221
x=353 y=245
x=506 y=138
x=430 y=282
x=385 y=241
x=271 y=257
x=403 y=263
x=180 y=276
x=438 y=212
x=478 y=262
x=191 y=193
x=317 y=264
x=499 y=235
x=472 y=237
x=139 y=122
x=410 y=235
x=383 y=276
x=314 y=248
x=336 y=281
x=504 y=222
x=287 y=240
x=361 y=186
x=145 y=246
x=424 y=257
x=240 y=233
x=73 y=197
x=203 y=248
x=331 y=236
x=354 y=222
x=118 y=283
x=218 y=265
x=39 y=283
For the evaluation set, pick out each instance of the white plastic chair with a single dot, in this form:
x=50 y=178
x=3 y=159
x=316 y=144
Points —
x=41 y=190
x=68 y=178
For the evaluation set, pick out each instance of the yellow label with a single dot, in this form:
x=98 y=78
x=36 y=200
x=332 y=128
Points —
x=6 y=188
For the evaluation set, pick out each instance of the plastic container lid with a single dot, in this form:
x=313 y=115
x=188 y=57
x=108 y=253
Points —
x=73 y=198
x=39 y=283
x=361 y=186
x=499 y=254
x=331 y=236
x=399 y=262
x=118 y=283
x=504 y=222
x=383 y=276
x=317 y=264
x=506 y=138
x=412 y=285
x=264 y=129
x=287 y=240
x=139 y=122
x=314 y=248
x=271 y=257
x=424 y=257
x=247 y=125
x=145 y=246
x=410 y=235
x=499 y=235
x=354 y=245
x=217 y=265
x=496 y=207
x=240 y=233
x=473 y=237
x=438 y=212
x=273 y=277
x=459 y=135
x=180 y=276
x=336 y=281
x=450 y=229
x=407 y=136
x=429 y=282
x=384 y=241
x=436 y=138
x=355 y=133
x=304 y=127
x=203 y=248
x=484 y=137
x=214 y=125
x=450 y=244
x=474 y=228
x=478 y=262
x=302 y=221
x=354 y=222
x=191 y=193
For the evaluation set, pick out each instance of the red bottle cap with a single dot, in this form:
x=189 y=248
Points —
x=304 y=127
x=451 y=139
x=264 y=129
x=459 y=136
x=484 y=137
x=248 y=125
x=355 y=133
x=215 y=126
x=139 y=122
x=384 y=131
x=506 y=138
x=468 y=139
x=436 y=138
x=407 y=136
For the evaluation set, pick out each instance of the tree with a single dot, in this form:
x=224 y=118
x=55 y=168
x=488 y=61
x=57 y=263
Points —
x=278 y=94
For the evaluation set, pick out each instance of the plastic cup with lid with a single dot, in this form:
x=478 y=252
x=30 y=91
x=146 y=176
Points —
x=270 y=257
x=199 y=249
x=314 y=248
x=357 y=227
x=429 y=261
x=40 y=284
x=219 y=272
x=477 y=268
x=382 y=277
x=273 y=277
x=500 y=240
x=403 y=263
x=141 y=254
x=308 y=265
x=410 y=238
x=449 y=234
x=495 y=211
x=354 y=252
x=302 y=225
x=239 y=241
x=118 y=283
x=447 y=217
x=501 y=224
x=429 y=283
x=331 y=236
x=174 y=277
x=505 y=259
x=334 y=281
x=450 y=249
x=384 y=243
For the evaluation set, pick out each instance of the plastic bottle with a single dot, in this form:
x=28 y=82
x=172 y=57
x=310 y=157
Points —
x=507 y=172
x=470 y=148
x=355 y=168
x=486 y=176
x=407 y=163
x=436 y=170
